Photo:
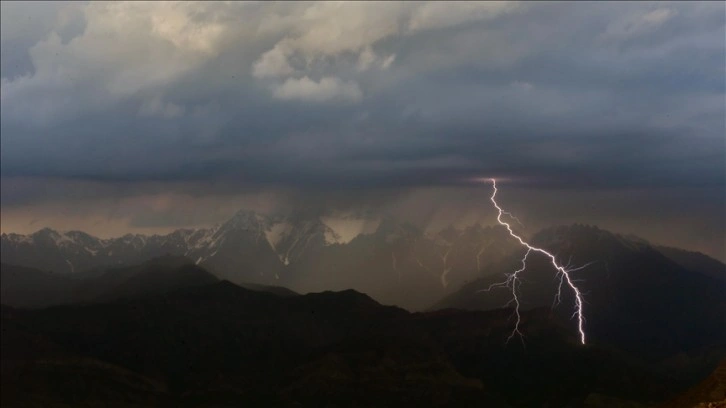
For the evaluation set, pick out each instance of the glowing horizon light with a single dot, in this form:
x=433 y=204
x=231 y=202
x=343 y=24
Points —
x=513 y=279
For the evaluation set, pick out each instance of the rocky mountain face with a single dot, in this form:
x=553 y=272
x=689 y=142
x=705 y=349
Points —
x=395 y=263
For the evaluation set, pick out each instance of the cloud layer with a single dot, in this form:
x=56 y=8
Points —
x=325 y=95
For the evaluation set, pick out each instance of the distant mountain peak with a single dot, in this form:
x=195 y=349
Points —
x=46 y=232
x=247 y=219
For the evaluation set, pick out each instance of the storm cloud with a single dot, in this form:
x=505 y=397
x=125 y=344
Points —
x=363 y=100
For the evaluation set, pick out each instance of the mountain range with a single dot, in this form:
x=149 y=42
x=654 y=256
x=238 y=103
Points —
x=170 y=330
x=396 y=263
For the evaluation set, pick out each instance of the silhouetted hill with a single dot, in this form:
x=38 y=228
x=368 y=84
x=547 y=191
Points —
x=277 y=290
x=159 y=280
x=29 y=287
x=709 y=393
x=223 y=345
x=695 y=262
x=32 y=288
x=158 y=275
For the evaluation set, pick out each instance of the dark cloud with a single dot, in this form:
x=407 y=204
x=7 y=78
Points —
x=586 y=97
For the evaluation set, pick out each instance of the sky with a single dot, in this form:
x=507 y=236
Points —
x=149 y=116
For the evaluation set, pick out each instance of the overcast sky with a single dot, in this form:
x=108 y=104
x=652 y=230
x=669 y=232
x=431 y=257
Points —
x=146 y=117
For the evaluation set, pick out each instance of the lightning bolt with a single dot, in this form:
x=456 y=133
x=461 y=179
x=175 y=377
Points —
x=513 y=280
x=508 y=214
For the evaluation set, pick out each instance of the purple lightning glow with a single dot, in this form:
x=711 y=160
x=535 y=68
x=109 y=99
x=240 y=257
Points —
x=513 y=280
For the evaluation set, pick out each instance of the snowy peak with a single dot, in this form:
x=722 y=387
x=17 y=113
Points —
x=85 y=240
x=345 y=228
x=299 y=234
x=16 y=239
x=244 y=225
x=200 y=238
x=70 y=239
x=294 y=237
x=47 y=235
x=291 y=237
x=245 y=220
x=137 y=241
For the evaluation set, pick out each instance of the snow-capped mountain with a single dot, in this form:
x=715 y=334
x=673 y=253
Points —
x=76 y=252
x=385 y=258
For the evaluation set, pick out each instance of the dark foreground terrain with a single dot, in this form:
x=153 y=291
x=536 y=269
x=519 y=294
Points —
x=168 y=332
x=218 y=344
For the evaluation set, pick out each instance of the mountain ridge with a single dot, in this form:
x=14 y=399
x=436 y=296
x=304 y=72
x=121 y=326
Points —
x=222 y=344
x=395 y=262
x=252 y=248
